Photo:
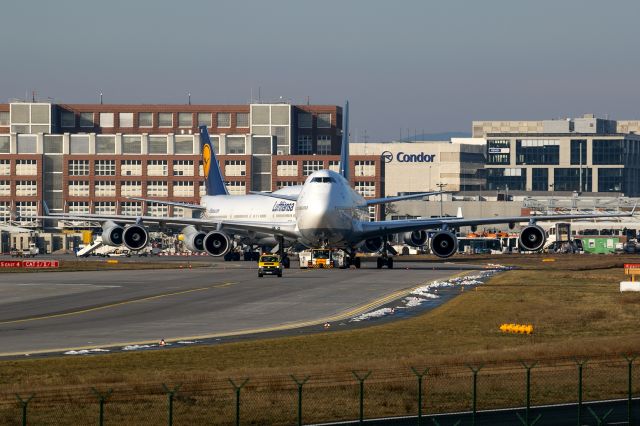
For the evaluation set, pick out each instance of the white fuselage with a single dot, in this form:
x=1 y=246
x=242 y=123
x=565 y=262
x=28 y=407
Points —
x=327 y=211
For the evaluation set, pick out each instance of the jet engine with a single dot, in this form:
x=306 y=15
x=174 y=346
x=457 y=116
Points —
x=135 y=237
x=415 y=238
x=217 y=243
x=193 y=239
x=112 y=234
x=532 y=238
x=374 y=245
x=444 y=244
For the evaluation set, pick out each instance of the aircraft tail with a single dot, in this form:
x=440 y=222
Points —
x=344 y=153
x=212 y=174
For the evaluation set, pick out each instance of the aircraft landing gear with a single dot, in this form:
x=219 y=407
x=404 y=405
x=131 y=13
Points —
x=350 y=258
x=385 y=259
x=286 y=262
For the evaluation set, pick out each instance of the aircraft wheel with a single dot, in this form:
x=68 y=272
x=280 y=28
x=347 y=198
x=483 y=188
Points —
x=259 y=275
x=390 y=263
x=236 y=256
x=286 y=262
x=379 y=262
x=356 y=262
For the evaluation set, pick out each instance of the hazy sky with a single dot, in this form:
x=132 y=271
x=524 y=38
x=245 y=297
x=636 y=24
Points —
x=402 y=64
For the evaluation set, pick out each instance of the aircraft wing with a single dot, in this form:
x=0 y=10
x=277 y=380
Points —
x=384 y=200
x=373 y=229
x=285 y=229
x=169 y=203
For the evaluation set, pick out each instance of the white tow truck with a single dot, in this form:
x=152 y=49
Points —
x=321 y=258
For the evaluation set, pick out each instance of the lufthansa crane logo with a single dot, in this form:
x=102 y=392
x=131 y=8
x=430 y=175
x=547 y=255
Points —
x=386 y=156
x=206 y=159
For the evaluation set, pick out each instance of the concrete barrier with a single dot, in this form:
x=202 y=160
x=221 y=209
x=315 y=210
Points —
x=629 y=286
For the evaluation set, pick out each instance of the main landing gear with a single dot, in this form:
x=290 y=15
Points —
x=286 y=262
x=385 y=259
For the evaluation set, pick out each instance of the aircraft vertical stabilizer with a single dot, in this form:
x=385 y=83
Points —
x=212 y=174
x=344 y=153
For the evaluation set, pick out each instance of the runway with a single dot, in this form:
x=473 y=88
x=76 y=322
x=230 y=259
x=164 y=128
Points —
x=59 y=311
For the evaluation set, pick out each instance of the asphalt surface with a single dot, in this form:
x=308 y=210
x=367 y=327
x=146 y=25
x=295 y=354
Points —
x=59 y=311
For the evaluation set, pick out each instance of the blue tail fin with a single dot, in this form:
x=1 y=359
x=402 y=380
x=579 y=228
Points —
x=212 y=174
x=344 y=153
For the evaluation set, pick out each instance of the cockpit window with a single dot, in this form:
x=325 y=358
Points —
x=323 y=180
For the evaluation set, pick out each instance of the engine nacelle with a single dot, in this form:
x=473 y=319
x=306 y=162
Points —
x=217 y=243
x=112 y=234
x=415 y=238
x=374 y=245
x=444 y=244
x=135 y=237
x=193 y=239
x=532 y=238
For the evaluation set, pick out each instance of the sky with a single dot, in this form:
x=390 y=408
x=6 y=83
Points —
x=405 y=66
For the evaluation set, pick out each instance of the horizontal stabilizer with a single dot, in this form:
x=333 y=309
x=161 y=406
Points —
x=375 y=201
x=272 y=195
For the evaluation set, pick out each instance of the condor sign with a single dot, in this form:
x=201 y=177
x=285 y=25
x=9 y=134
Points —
x=403 y=157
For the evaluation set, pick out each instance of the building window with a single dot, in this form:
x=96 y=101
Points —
x=105 y=207
x=304 y=145
x=131 y=188
x=185 y=119
x=131 y=144
x=104 y=188
x=131 y=208
x=235 y=168
x=242 y=119
x=539 y=179
x=366 y=189
x=157 y=210
x=498 y=151
x=507 y=179
x=5 y=188
x=365 y=168
x=79 y=188
x=578 y=152
x=105 y=144
x=4 y=118
x=130 y=168
x=324 y=145
x=157 y=168
x=157 y=145
x=5 y=144
x=183 y=167
x=372 y=213
x=183 y=188
x=324 y=121
x=285 y=183
x=78 y=207
x=304 y=120
x=569 y=179
x=537 y=151
x=287 y=168
x=165 y=119
x=79 y=144
x=608 y=151
x=67 y=119
x=86 y=119
x=223 y=119
x=610 y=180
x=157 y=189
x=204 y=119
x=106 y=119
x=26 y=208
x=334 y=165
x=145 y=119
x=235 y=145
x=183 y=144
x=26 y=167
x=309 y=167
x=78 y=167
x=5 y=167
x=236 y=187
x=126 y=119
x=202 y=189
x=52 y=144
x=105 y=167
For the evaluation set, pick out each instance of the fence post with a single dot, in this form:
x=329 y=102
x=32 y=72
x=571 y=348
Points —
x=580 y=365
x=102 y=397
x=420 y=375
x=237 y=388
x=526 y=421
x=630 y=359
x=170 y=394
x=361 y=379
x=474 y=395
x=300 y=383
x=24 y=403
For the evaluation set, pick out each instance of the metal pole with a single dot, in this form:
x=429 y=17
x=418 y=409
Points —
x=170 y=394
x=630 y=360
x=420 y=375
x=300 y=383
x=580 y=365
x=474 y=402
x=237 y=389
x=102 y=398
x=361 y=379
x=24 y=403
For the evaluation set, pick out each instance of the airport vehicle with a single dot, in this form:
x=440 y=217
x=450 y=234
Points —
x=31 y=251
x=269 y=264
x=324 y=212
x=323 y=258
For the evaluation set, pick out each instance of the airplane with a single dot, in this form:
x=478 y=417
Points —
x=323 y=212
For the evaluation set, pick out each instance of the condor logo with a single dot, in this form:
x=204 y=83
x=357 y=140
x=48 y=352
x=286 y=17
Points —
x=206 y=159
x=283 y=206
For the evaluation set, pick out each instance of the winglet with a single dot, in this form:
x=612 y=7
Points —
x=212 y=174
x=459 y=215
x=344 y=153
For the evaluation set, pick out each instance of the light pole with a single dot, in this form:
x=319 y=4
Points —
x=440 y=186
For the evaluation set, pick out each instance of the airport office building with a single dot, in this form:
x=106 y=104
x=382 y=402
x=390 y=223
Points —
x=90 y=158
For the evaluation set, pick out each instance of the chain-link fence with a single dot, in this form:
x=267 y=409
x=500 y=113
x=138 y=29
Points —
x=417 y=391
